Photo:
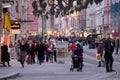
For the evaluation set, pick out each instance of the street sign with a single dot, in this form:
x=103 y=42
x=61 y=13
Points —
x=15 y=26
x=15 y=31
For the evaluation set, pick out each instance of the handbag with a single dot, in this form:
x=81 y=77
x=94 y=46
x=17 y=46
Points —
x=98 y=56
x=49 y=49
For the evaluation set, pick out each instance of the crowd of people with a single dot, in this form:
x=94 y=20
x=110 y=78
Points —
x=27 y=49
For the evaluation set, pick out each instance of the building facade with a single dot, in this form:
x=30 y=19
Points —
x=91 y=20
x=33 y=29
x=100 y=18
x=115 y=18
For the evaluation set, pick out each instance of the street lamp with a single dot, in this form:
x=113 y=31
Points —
x=43 y=26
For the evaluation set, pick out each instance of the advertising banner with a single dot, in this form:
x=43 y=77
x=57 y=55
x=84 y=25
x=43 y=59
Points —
x=62 y=49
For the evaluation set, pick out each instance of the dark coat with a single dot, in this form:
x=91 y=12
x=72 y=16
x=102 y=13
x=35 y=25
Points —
x=79 y=52
x=100 y=48
x=30 y=50
x=5 y=54
x=109 y=45
x=40 y=49
x=109 y=48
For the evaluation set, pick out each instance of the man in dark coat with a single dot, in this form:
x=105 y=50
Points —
x=40 y=49
x=30 y=50
x=109 y=49
x=5 y=54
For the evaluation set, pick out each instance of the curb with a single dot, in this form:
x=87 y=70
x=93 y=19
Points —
x=12 y=75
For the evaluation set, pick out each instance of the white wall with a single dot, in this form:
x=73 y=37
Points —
x=90 y=16
x=100 y=14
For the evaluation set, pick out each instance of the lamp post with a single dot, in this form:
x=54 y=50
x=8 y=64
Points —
x=43 y=26
x=83 y=22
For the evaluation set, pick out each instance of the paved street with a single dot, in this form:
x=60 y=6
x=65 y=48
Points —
x=55 y=71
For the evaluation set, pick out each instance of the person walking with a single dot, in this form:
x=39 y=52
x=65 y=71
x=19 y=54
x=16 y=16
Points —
x=30 y=52
x=109 y=49
x=117 y=44
x=22 y=53
x=79 y=53
x=45 y=44
x=100 y=50
x=5 y=54
x=54 y=52
x=17 y=49
x=73 y=47
x=40 y=49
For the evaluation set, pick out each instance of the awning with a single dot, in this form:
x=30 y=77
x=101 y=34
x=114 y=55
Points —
x=20 y=21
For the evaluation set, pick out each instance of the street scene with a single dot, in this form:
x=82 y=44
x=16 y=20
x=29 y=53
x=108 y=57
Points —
x=59 y=39
x=48 y=71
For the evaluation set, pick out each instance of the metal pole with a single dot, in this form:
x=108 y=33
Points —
x=43 y=26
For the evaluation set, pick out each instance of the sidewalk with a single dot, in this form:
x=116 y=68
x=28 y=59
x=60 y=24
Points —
x=8 y=72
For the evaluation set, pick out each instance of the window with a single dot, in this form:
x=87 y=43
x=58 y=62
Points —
x=35 y=27
x=17 y=6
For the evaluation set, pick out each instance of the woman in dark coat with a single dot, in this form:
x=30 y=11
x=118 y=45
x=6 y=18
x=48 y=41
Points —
x=40 y=49
x=5 y=54
x=22 y=53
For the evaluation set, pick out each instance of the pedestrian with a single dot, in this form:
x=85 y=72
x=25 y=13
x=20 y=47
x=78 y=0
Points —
x=22 y=53
x=30 y=52
x=100 y=50
x=79 y=53
x=54 y=52
x=45 y=50
x=73 y=47
x=117 y=46
x=5 y=54
x=40 y=49
x=11 y=50
x=109 y=49
x=50 y=51
x=35 y=50
x=17 y=49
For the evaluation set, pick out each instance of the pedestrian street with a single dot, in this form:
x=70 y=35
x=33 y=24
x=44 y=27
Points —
x=48 y=71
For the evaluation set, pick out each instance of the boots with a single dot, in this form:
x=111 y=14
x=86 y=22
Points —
x=99 y=65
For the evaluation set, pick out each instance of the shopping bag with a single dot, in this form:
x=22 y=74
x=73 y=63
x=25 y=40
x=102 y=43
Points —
x=98 y=56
